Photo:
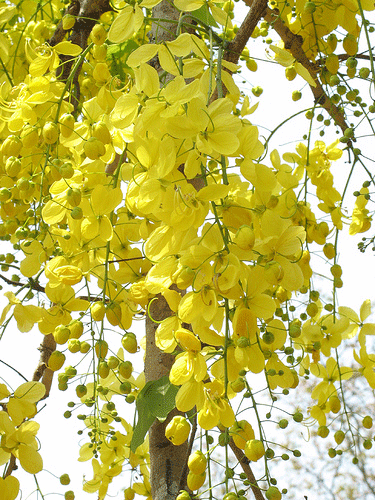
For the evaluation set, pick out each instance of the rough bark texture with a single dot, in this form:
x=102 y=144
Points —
x=168 y=469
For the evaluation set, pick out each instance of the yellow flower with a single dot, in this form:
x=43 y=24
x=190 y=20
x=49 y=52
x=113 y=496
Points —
x=21 y=442
x=178 y=430
x=63 y=298
x=58 y=270
x=103 y=475
x=279 y=374
x=22 y=404
x=215 y=407
x=367 y=362
x=189 y=395
x=26 y=316
x=96 y=222
x=214 y=129
x=330 y=374
x=286 y=59
x=187 y=365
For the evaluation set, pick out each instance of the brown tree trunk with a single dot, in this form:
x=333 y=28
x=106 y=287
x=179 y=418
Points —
x=167 y=461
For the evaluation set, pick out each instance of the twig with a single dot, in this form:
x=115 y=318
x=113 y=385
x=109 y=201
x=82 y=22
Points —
x=87 y=13
x=11 y=466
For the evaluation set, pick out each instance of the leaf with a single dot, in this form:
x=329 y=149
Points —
x=144 y=422
x=204 y=15
x=156 y=400
x=68 y=48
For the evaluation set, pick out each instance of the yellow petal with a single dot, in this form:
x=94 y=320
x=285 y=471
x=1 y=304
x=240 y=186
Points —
x=30 y=459
x=9 y=488
x=30 y=391
x=142 y=55
x=67 y=48
x=365 y=310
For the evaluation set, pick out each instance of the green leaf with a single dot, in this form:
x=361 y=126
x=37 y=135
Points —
x=156 y=400
x=144 y=421
x=203 y=14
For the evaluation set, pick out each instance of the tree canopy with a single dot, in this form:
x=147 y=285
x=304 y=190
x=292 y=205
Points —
x=167 y=252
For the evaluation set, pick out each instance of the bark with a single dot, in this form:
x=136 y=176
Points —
x=43 y=372
x=245 y=464
x=168 y=463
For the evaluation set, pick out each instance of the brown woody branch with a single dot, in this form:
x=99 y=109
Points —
x=236 y=46
x=245 y=464
x=11 y=466
x=293 y=43
x=42 y=371
x=87 y=13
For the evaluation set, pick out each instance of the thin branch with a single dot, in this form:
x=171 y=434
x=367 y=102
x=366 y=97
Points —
x=183 y=480
x=293 y=43
x=42 y=371
x=87 y=13
x=245 y=464
x=257 y=11
x=11 y=466
x=235 y=47
x=14 y=369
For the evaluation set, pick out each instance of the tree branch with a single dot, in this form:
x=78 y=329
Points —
x=42 y=371
x=234 y=49
x=293 y=43
x=245 y=464
x=87 y=14
x=236 y=46
x=167 y=462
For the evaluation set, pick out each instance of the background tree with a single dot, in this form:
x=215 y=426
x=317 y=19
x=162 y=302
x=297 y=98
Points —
x=135 y=186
